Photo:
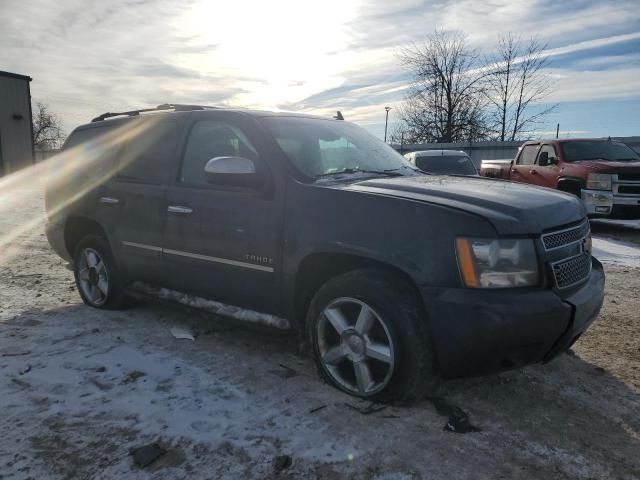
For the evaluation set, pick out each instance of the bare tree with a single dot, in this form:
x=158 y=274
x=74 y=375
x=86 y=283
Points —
x=399 y=135
x=445 y=101
x=47 y=132
x=516 y=87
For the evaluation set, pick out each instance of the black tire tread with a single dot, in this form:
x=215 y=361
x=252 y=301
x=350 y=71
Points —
x=416 y=377
x=117 y=298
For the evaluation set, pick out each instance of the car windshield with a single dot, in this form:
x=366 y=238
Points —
x=607 y=151
x=324 y=148
x=446 y=165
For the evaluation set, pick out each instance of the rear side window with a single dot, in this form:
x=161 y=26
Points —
x=146 y=157
x=528 y=155
x=210 y=139
x=93 y=150
x=446 y=165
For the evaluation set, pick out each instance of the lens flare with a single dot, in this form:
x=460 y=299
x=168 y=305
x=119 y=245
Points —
x=66 y=178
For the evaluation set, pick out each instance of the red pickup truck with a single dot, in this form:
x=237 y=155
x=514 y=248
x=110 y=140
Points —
x=604 y=173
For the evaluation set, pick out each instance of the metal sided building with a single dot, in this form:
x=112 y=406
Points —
x=16 y=146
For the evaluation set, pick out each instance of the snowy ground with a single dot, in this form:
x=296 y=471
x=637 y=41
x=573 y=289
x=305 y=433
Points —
x=79 y=388
x=615 y=252
x=617 y=242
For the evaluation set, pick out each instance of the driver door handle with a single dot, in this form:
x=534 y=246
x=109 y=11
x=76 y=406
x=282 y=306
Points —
x=179 y=209
x=533 y=172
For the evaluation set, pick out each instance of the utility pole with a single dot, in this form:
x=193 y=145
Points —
x=557 y=130
x=386 y=123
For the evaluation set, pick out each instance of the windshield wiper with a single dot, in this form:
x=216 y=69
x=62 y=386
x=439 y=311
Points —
x=403 y=166
x=391 y=172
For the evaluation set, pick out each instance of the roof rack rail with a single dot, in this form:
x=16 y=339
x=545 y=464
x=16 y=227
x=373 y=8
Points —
x=176 y=107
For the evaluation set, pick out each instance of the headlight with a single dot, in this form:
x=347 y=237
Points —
x=497 y=263
x=599 y=181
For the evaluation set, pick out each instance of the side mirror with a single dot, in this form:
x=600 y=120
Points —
x=234 y=171
x=543 y=159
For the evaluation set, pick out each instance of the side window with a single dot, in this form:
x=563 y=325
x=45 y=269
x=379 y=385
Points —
x=528 y=155
x=550 y=150
x=209 y=139
x=94 y=150
x=146 y=158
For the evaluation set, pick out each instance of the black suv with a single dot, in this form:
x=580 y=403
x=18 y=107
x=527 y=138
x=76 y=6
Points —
x=393 y=278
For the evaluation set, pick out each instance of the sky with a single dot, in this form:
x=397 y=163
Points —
x=87 y=57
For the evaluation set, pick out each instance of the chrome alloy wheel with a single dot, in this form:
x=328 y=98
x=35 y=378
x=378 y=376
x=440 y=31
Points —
x=93 y=277
x=355 y=346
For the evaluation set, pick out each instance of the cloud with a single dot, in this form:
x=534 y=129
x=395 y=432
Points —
x=88 y=56
x=164 y=70
x=580 y=85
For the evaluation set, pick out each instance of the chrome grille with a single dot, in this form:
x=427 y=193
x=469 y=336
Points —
x=569 y=254
x=565 y=237
x=571 y=271
x=629 y=189
x=629 y=177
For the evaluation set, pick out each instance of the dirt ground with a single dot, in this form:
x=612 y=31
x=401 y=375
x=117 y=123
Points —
x=80 y=388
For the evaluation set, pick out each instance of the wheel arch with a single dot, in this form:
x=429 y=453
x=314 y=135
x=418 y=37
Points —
x=571 y=185
x=77 y=228
x=317 y=268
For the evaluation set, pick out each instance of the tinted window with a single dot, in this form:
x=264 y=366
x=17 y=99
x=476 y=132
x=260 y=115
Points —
x=209 y=139
x=321 y=147
x=446 y=165
x=549 y=149
x=607 y=151
x=78 y=137
x=146 y=158
x=528 y=155
x=94 y=150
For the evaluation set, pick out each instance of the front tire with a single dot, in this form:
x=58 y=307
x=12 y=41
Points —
x=370 y=338
x=97 y=277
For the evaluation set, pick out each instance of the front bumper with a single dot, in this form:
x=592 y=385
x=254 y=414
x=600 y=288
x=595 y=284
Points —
x=600 y=203
x=482 y=331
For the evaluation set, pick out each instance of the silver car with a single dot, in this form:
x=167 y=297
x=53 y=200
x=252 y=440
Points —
x=443 y=162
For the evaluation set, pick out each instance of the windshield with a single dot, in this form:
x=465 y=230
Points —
x=321 y=148
x=446 y=165
x=608 y=151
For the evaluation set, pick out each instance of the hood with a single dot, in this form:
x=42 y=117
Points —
x=512 y=208
x=603 y=166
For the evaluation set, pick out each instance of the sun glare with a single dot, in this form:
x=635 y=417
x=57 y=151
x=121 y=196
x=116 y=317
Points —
x=285 y=49
x=57 y=174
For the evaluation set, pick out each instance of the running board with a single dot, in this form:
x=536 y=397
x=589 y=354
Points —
x=211 y=306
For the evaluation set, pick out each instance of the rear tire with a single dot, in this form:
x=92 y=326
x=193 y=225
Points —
x=370 y=337
x=97 y=277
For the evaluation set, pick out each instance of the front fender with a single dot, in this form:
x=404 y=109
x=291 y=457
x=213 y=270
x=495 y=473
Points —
x=415 y=237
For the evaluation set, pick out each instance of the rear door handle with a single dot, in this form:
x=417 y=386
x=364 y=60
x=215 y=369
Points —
x=179 y=209
x=109 y=200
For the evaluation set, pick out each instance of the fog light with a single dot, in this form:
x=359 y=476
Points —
x=602 y=209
